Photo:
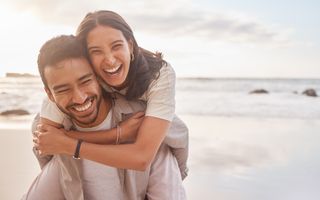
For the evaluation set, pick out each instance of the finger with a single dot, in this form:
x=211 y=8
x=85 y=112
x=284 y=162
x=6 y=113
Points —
x=35 y=140
x=43 y=153
x=54 y=130
x=36 y=146
x=36 y=133
x=138 y=114
x=50 y=128
x=40 y=153
x=42 y=127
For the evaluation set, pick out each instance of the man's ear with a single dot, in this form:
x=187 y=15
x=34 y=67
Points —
x=49 y=94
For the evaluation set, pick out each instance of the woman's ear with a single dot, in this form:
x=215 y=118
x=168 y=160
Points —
x=130 y=43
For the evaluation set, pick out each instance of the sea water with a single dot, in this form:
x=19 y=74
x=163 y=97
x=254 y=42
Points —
x=226 y=97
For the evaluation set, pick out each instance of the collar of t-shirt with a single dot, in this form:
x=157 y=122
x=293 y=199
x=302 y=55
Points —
x=105 y=124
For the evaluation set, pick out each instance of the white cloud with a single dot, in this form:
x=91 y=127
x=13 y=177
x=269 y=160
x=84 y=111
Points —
x=220 y=42
x=174 y=19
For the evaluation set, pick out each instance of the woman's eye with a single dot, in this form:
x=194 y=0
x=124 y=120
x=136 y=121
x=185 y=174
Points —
x=117 y=46
x=95 y=52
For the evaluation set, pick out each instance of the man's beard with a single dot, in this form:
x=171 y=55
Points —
x=76 y=119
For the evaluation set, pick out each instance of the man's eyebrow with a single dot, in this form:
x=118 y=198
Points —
x=85 y=77
x=57 y=87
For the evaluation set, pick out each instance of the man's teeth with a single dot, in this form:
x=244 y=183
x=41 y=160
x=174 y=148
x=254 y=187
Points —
x=83 y=107
x=112 y=70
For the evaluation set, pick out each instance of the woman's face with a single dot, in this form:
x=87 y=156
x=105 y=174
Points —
x=109 y=52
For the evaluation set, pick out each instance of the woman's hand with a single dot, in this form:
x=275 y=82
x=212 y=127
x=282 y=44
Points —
x=49 y=140
x=130 y=127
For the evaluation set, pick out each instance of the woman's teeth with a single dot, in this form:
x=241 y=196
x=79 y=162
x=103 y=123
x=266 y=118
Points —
x=113 y=70
x=83 y=107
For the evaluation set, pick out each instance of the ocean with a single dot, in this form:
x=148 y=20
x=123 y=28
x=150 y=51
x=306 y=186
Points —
x=226 y=97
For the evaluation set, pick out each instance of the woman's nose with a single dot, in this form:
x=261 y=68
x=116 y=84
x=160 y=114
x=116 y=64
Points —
x=109 y=59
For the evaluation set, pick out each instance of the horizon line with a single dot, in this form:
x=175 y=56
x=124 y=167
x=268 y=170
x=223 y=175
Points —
x=31 y=75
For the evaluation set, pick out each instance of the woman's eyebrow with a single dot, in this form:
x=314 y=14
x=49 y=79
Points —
x=116 y=41
x=112 y=43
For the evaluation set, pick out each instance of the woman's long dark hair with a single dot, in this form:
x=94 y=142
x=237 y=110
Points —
x=145 y=66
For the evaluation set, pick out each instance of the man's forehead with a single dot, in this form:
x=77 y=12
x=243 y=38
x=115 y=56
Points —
x=73 y=62
x=67 y=70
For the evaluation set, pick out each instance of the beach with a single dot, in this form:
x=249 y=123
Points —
x=230 y=158
x=18 y=165
x=249 y=159
x=243 y=146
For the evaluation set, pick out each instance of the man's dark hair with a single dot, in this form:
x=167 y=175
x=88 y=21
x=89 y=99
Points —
x=58 y=49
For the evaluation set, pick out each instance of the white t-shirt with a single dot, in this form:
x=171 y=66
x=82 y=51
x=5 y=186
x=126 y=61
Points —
x=100 y=181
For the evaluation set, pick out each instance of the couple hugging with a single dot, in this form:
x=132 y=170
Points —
x=108 y=128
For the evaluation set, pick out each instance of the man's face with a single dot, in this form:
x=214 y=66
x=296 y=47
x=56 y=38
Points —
x=72 y=85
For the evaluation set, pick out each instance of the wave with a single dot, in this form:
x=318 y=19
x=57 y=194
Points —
x=210 y=96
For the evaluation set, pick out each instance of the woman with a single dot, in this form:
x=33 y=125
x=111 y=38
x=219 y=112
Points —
x=124 y=67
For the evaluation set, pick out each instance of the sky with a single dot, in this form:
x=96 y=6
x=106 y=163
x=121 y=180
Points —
x=199 y=38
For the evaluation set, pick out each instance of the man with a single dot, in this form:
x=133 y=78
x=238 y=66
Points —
x=71 y=84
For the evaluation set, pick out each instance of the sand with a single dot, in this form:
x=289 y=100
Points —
x=249 y=159
x=230 y=158
x=18 y=165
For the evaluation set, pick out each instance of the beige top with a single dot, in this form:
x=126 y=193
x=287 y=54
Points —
x=160 y=95
x=50 y=110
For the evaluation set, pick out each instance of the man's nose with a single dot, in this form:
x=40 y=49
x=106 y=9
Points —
x=79 y=96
